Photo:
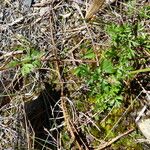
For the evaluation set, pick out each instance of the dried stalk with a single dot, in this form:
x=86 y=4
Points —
x=95 y=6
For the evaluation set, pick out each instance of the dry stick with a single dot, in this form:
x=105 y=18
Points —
x=47 y=59
x=7 y=57
x=29 y=138
x=42 y=4
x=145 y=105
x=4 y=66
x=16 y=22
x=79 y=61
x=93 y=44
x=105 y=145
x=11 y=54
x=56 y=56
x=95 y=6
x=70 y=126
x=75 y=47
x=75 y=137
x=6 y=26
x=63 y=99
x=124 y=113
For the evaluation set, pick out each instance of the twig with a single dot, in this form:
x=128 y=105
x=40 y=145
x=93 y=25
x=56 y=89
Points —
x=106 y=144
x=95 y=6
x=16 y=22
x=11 y=54
x=44 y=4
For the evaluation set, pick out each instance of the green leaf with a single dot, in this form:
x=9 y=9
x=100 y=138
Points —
x=35 y=53
x=107 y=66
x=13 y=63
x=82 y=70
x=36 y=63
x=26 y=69
x=89 y=55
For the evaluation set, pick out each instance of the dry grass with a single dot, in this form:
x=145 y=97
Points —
x=57 y=29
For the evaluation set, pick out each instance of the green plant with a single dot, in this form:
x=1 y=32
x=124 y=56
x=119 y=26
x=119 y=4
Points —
x=29 y=61
x=106 y=80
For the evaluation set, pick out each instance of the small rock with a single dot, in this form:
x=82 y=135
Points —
x=144 y=126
